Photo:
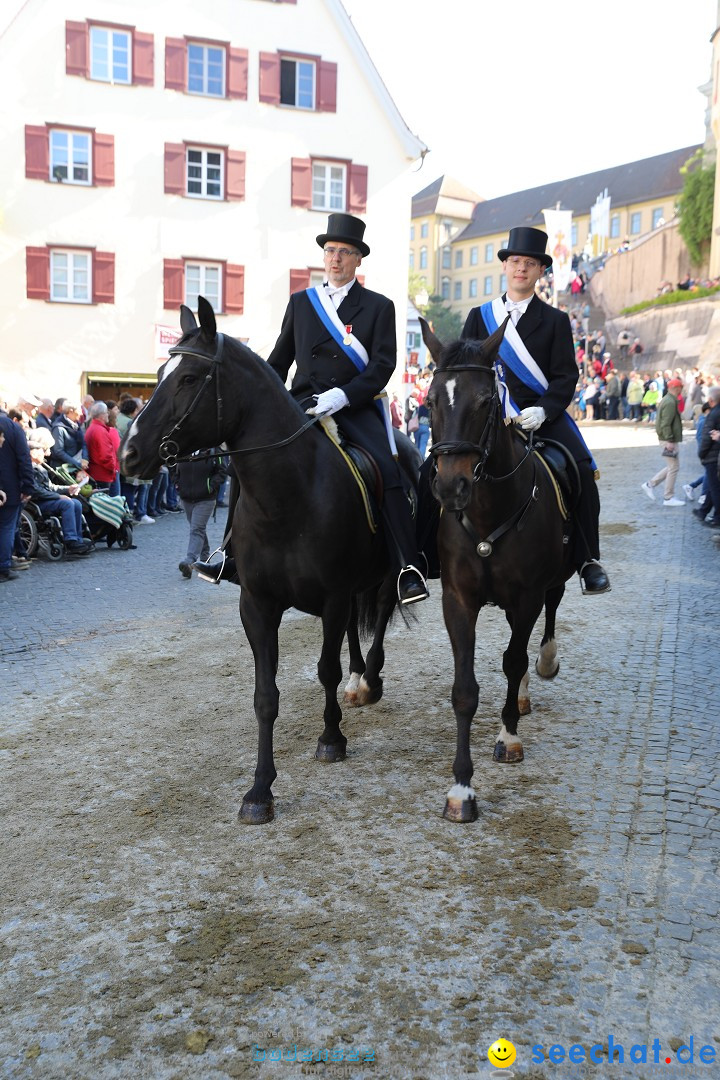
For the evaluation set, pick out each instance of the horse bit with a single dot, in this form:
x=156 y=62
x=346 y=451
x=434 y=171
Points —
x=483 y=449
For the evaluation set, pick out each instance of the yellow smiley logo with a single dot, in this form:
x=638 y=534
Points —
x=501 y=1054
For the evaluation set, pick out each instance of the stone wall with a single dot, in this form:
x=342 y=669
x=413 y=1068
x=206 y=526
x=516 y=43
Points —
x=679 y=335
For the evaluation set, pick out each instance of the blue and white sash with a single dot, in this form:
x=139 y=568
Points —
x=514 y=353
x=354 y=350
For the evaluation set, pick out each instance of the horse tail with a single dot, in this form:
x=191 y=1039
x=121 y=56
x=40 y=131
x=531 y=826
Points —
x=367 y=611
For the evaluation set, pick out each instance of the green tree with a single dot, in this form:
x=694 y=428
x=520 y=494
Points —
x=695 y=207
x=446 y=323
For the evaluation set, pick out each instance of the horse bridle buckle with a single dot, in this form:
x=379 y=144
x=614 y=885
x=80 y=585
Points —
x=169 y=452
x=484 y=549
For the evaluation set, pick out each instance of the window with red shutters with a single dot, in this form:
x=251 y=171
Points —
x=236 y=68
x=299 y=280
x=37 y=153
x=37 y=270
x=173 y=283
x=234 y=281
x=175 y=182
x=278 y=81
x=37 y=156
x=326 y=87
x=77 y=52
x=103 y=274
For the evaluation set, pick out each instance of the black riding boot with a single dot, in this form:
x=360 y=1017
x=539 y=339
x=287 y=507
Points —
x=402 y=546
x=593 y=579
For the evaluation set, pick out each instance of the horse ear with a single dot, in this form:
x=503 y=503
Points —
x=187 y=319
x=492 y=344
x=207 y=318
x=434 y=344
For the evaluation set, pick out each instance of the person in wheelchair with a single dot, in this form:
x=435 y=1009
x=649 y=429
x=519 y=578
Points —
x=56 y=499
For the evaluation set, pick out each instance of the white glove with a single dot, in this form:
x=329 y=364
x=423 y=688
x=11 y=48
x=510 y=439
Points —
x=531 y=419
x=329 y=402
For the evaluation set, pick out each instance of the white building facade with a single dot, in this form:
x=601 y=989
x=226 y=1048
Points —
x=153 y=152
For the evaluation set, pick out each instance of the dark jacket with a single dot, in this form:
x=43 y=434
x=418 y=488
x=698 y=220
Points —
x=321 y=363
x=709 y=451
x=16 y=475
x=548 y=337
x=198 y=481
x=69 y=442
x=43 y=487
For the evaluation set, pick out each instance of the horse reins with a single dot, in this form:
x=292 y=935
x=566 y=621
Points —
x=484 y=449
x=169 y=450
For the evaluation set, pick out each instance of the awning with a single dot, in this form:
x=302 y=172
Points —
x=120 y=377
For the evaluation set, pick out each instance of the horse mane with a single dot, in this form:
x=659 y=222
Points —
x=463 y=351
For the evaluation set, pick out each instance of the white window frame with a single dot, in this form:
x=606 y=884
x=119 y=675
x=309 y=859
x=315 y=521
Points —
x=657 y=216
x=70 y=265
x=457 y=290
x=215 y=296
x=473 y=256
x=205 y=92
x=489 y=253
x=487 y=285
x=74 y=138
x=204 y=168
x=573 y=234
x=614 y=226
x=635 y=216
x=317 y=277
x=95 y=43
x=326 y=199
x=503 y=283
x=300 y=63
x=424 y=230
x=423 y=258
x=472 y=288
x=445 y=288
x=411 y=260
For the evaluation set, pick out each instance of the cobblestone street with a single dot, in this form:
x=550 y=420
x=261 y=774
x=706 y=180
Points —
x=621 y=758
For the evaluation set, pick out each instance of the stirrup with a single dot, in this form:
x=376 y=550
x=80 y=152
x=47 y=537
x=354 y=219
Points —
x=412 y=599
x=212 y=578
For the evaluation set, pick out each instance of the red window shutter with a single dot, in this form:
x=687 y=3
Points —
x=301 y=186
x=37 y=269
x=175 y=169
x=175 y=64
x=76 y=48
x=327 y=87
x=299 y=280
x=235 y=178
x=143 y=59
x=173 y=283
x=37 y=153
x=103 y=160
x=237 y=75
x=103 y=272
x=357 y=189
x=234 y=289
x=270 y=78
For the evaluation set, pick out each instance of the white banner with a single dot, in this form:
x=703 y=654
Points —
x=600 y=221
x=559 y=229
x=165 y=338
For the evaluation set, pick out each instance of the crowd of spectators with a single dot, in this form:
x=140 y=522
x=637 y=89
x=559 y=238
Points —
x=54 y=454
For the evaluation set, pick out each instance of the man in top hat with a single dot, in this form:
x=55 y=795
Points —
x=342 y=339
x=540 y=373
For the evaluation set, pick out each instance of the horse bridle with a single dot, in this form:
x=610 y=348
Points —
x=169 y=449
x=483 y=449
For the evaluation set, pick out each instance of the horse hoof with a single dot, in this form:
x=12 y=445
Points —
x=524 y=706
x=460 y=810
x=508 y=755
x=369 y=695
x=251 y=813
x=350 y=698
x=329 y=752
x=546 y=677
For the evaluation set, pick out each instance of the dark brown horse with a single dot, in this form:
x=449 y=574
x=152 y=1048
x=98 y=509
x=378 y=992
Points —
x=502 y=540
x=300 y=534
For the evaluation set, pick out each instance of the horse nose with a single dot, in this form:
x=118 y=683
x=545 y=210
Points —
x=452 y=491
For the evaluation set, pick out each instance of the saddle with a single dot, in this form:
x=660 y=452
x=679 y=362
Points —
x=563 y=470
x=363 y=468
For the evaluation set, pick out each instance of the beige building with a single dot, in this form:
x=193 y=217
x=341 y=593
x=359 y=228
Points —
x=439 y=213
x=642 y=198
x=153 y=152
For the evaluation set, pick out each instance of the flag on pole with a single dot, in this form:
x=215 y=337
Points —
x=559 y=225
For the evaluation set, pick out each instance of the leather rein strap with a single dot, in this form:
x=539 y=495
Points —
x=170 y=451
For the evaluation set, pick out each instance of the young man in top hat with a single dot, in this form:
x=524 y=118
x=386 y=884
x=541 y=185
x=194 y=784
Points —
x=342 y=339
x=545 y=335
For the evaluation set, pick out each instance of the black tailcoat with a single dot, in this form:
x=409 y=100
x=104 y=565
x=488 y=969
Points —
x=323 y=365
x=547 y=335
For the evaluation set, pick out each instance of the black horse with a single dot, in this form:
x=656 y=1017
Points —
x=502 y=539
x=300 y=536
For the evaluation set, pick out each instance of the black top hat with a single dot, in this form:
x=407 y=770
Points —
x=347 y=228
x=528 y=242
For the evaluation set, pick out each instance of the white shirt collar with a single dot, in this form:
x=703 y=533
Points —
x=338 y=293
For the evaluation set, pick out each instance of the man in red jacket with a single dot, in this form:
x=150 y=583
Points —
x=102 y=456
